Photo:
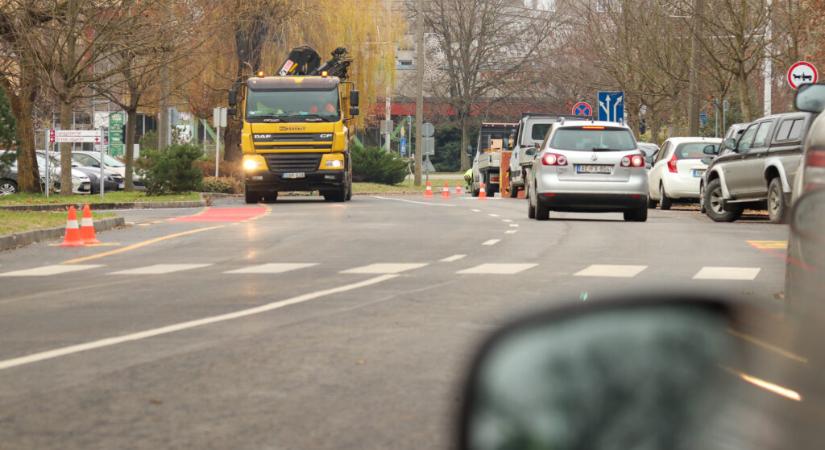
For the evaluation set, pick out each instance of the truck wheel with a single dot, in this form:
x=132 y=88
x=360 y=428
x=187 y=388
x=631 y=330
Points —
x=251 y=197
x=339 y=195
x=664 y=202
x=715 y=206
x=777 y=209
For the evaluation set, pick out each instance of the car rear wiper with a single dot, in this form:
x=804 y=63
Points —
x=602 y=149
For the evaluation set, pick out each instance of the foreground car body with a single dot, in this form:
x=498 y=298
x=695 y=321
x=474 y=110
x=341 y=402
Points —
x=589 y=167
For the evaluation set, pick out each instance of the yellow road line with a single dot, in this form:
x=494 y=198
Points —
x=140 y=245
x=766 y=385
x=768 y=245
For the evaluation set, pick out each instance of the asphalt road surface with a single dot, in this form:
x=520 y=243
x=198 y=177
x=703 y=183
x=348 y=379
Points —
x=313 y=325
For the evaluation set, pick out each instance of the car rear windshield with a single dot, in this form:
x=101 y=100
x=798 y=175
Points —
x=693 y=150
x=593 y=138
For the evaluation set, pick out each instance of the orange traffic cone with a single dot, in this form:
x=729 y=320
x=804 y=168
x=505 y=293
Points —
x=458 y=189
x=429 y=191
x=72 y=238
x=87 y=227
x=482 y=192
x=445 y=191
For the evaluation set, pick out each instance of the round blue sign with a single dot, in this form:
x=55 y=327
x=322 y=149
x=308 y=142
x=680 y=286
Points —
x=582 y=109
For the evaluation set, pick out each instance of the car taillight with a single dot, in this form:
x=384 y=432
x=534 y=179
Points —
x=815 y=158
x=671 y=165
x=553 y=159
x=814 y=175
x=633 y=161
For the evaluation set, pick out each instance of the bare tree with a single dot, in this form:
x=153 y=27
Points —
x=481 y=45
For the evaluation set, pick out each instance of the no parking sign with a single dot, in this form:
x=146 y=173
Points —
x=802 y=72
x=582 y=109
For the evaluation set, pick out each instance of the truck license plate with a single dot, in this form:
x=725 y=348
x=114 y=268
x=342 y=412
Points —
x=594 y=168
x=294 y=175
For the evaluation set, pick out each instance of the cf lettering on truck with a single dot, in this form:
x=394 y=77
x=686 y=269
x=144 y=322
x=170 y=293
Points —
x=296 y=127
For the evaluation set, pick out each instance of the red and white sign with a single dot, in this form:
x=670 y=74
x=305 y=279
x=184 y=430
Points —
x=76 y=136
x=582 y=109
x=802 y=72
x=51 y=136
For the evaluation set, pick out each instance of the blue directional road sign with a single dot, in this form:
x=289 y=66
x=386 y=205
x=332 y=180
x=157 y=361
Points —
x=703 y=119
x=582 y=109
x=403 y=146
x=611 y=106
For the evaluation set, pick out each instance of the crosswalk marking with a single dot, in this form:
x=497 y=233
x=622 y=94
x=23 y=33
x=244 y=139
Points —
x=513 y=225
x=497 y=269
x=614 y=271
x=385 y=268
x=45 y=271
x=727 y=273
x=453 y=258
x=493 y=215
x=271 y=268
x=491 y=242
x=506 y=220
x=158 y=269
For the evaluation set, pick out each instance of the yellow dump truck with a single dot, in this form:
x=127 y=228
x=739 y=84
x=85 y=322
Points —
x=296 y=127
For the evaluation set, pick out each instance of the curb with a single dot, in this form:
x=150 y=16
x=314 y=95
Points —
x=102 y=206
x=16 y=240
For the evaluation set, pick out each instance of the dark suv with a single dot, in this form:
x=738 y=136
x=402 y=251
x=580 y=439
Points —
x=760 y=168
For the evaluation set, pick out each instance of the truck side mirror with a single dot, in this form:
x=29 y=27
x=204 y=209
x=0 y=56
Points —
x=233 y=97
x=531 y=151
x=354 y=98
x=354 y=111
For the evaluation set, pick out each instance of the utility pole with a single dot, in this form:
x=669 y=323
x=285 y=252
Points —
x=419 y=79
x=768 y=71
x=695 y=60
x=388 y=94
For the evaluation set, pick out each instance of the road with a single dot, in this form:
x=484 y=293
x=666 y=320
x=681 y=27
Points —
x=306 y=324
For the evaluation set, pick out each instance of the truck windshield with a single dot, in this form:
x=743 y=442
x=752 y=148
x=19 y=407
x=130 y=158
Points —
x=293 y=106
x=593 y=138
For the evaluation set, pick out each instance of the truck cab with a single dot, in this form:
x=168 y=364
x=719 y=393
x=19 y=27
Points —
x=493 y=138
x=532 y=129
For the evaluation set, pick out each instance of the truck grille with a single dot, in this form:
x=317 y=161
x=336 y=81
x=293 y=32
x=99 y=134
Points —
x=293 y=162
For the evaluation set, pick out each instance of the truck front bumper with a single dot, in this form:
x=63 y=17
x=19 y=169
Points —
x=311 y=181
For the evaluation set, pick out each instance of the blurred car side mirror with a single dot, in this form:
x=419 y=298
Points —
x=810 y=98
x=710 y=150
x=554 y=380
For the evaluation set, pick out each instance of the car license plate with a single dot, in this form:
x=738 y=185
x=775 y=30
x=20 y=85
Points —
x=594 y=168
x=698 y=173
x=294 y=175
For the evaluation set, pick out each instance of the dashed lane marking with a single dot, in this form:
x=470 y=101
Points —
x=768 y=245
x=272 y=268
x=385 y=268
x=65 y=351
x=475 y=210
x=493 y=215
x=496 y=269
x=506 y=220
x=453 y=258
x=511 y=232
x=612 y=271
x=727 y=273
x=48 y=270
x=159 y=269
x=491 y=242
x=513 y=225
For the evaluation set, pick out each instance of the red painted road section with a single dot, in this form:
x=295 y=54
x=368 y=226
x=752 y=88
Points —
x=226 y=215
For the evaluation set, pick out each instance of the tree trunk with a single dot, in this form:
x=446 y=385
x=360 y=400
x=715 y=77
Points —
x=465 y=158
x=744 y=97
x=131 y=130
x=22 y=105
x=654 y=125
x=66 y=150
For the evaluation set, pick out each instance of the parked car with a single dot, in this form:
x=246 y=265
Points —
x=81 y=183
x=759 y=170
x=806 y=258
x=678 y=168
x=112 y=182
x=92 y=159
x=650 y=151
x=588 y=166
x=532 y=128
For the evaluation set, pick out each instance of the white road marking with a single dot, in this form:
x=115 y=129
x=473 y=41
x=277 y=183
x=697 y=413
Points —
x=476 y=210
x=453 y=258
x=614 y=271
x=727 y=273
x=64 y=351
x=491 y=242
x=272 y=268
x=513 y=225
x=48 y=270
x=498 y=269
x=385 y=268
x=412 y=201
x=506 y=220
x=511 y=232
x=493 y=215
x=160 y=269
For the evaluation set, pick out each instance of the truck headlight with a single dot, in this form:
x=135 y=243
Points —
x=252 y=163
x=332 y=161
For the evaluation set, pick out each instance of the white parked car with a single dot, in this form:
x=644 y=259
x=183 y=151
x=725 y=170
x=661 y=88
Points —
x=678 y=168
